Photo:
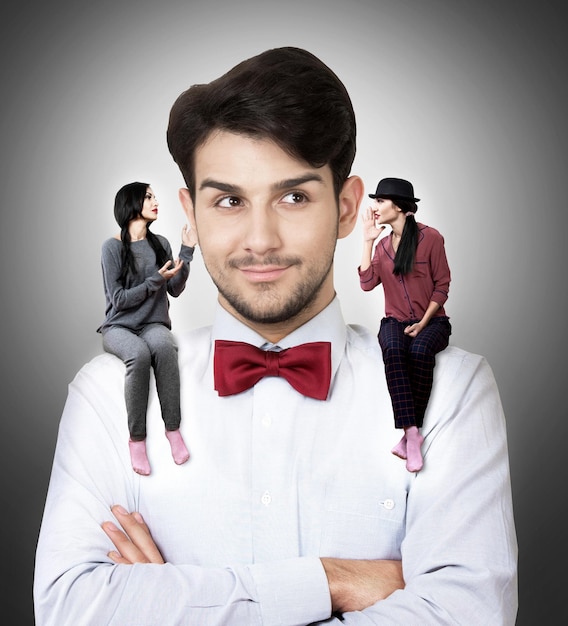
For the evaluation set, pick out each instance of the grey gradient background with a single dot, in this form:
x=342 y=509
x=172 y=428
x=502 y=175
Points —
x=465 y=99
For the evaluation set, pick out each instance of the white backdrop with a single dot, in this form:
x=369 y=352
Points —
x=465 y=101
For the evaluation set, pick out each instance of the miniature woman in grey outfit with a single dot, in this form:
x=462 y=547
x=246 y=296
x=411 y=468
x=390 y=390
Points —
x=138 y=274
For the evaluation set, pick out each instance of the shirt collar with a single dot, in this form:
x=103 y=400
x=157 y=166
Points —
x=328 y=325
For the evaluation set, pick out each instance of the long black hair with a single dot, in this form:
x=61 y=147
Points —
x=128 y=204
x=406 y=252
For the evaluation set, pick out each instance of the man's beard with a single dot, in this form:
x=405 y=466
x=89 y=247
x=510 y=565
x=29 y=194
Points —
x=269 y=307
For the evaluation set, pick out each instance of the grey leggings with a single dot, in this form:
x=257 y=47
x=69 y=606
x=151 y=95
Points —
x=152 y=347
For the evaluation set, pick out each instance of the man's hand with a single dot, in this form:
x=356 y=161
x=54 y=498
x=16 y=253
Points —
x=135 y=543
x=355 y=585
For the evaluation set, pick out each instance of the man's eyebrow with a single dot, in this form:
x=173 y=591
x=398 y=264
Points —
x=215 y=184
x=288 y=183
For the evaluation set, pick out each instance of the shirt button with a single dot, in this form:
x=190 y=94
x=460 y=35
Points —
x=266 y=498
x=267 y=421
x=388 y=504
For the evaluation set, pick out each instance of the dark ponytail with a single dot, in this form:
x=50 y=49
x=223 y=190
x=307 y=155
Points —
x=161 y=255
x=406 y=252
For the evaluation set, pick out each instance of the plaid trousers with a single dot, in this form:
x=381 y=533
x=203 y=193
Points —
x=409 y=365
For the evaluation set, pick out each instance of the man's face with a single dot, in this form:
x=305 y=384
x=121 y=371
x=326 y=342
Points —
x=267 y=226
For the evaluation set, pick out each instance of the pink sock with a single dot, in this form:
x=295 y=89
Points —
x=414 y=439
x=138 y=457
x=400 y=448
x=179 y=450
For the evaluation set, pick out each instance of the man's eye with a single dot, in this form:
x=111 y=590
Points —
x=294 y=197
x=229 y=202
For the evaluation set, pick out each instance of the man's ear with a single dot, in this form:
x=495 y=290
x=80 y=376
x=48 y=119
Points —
x=350 y=198
x=187 y=206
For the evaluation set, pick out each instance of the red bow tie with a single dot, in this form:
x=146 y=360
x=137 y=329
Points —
x=238 y=366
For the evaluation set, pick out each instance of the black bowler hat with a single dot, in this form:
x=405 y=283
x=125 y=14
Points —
x=395 y=188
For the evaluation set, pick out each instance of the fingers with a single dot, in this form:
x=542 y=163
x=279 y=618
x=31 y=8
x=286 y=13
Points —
x=139 y=534
x=165 y=267
x=119 y=560
x=368 y=215
x=412 y=330
x=176 y=268
x=127 y=553
x=188 y=235
x=167 y=272
x=134 y=544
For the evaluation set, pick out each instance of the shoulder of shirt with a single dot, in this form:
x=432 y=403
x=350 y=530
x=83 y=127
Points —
x=458 y=367
x=194 y=336
x=464 y=395
x=362 y=339
x=451 y=360
x=111 y=242
x=429 y=230
x=459 y=355
x=101 y=366
x=107 y=370
x=455 y=367
x=194 y=346
x=163 y=240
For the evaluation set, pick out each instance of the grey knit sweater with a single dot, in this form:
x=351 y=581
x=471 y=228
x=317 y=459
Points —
x=144 y=299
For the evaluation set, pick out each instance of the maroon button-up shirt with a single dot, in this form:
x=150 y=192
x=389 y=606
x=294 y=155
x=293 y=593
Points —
x=407 y=296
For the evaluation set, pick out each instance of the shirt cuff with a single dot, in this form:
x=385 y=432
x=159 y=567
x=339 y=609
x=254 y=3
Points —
x=292 y=591
x=186 y=253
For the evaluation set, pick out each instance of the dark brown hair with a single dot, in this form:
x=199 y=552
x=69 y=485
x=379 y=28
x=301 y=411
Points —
x=285 y=94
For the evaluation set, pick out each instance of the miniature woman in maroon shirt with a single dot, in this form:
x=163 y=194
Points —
x=411 y=265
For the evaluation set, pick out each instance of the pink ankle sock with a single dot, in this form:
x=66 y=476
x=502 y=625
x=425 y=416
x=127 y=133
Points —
x=179 y=450
x=400 y=448
x=414 y=439
x=138 y=457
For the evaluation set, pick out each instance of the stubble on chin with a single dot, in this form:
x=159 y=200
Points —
x=267 y=305
x=271 y=303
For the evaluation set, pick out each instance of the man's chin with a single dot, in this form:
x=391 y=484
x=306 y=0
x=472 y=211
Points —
x=266 y=317
x=264 y=309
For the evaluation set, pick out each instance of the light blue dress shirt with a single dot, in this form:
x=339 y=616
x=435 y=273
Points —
x=275 y=481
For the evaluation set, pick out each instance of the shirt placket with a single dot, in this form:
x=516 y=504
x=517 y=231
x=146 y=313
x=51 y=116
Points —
x=272 y=516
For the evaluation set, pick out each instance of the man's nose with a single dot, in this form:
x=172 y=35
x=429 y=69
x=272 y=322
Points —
x=262 y=230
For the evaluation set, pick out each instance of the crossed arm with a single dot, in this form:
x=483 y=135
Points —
x=354 y=584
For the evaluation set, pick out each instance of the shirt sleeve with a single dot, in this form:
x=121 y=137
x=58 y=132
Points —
x=440 y=271
x=176 y=285
x=371 y=277
x=459 y=554
x=75 y=581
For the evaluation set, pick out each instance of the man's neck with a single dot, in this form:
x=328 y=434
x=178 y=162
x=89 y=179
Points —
x=275 y=332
